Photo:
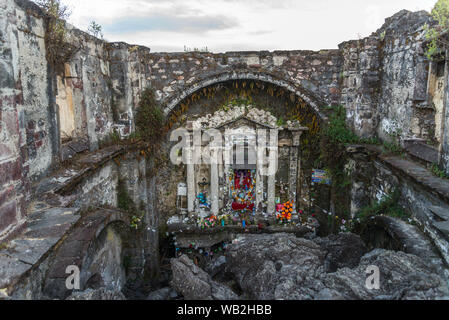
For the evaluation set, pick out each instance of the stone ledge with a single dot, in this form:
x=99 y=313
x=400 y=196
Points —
x=45 y=229
x=421 y=150
x=53 y=190
x=440 y=212
x=186 y=228
x=443 y=227
x=416 y=172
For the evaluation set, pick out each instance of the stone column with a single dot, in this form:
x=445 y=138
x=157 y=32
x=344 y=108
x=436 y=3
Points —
x=444 y=139
x=190 y=180
x=214 y=182
x=295 y=165
x=271 y=194
x=259 y=184
x=272 y=166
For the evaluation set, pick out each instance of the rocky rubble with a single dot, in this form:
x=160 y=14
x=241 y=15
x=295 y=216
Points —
x=284 y=267
x=99 y=294
x=195 y=284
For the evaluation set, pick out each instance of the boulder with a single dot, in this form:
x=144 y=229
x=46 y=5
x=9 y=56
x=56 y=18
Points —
x=161 y=294
x=273 y=266
x=342 y=250
x=216 y=266
x=195 y=284
x=283 y=267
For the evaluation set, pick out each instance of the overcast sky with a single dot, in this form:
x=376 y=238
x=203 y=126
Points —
x=237 y=25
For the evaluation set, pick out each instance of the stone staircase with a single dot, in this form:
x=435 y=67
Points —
x=442 y=215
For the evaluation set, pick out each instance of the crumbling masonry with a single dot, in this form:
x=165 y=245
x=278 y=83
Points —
x=59 y=178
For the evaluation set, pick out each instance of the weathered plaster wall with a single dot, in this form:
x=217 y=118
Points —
x=385 y=79
x=381 y=80
x=100 y=189
x=360 y=84
x=376 y=179
x=404 y=75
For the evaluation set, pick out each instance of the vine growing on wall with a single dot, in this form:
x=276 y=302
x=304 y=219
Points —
x=388 y=206
x=335 y=136
x=436 y=34
x=58 y=49
x=150 y=118
x=126 y=203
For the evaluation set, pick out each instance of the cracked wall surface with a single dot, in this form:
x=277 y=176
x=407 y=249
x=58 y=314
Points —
x=46 y=118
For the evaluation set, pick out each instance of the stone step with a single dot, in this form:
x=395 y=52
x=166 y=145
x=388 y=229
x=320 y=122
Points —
x=421 y=150
x=443 y=227
x=440 y=212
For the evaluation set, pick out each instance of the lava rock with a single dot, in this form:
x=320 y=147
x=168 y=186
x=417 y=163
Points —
x=253 y=260
x=161 y=294
x=195 y=284
x=99 y=294
x=216 y=266
x=342 y=251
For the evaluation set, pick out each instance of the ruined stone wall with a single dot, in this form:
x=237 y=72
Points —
x=374 y=180
x=385 y=80
x=404 y=76
x=26 y=132
x=48 y=117
x=361 y=84
x=86 y=84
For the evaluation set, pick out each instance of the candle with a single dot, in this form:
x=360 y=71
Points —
x=243 y=223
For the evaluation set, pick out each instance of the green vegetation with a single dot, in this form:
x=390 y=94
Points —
x=337 y=132
x=440 y=13
x=280 y=122
x=58 y=49
x=334 y=138
x=387 y=206
x=95 y=29
x=4 y=245
x=393 y=147
x=111 y=139
x=236 y=102
x=125 y=203
x=436 y=171
x=150 y=118
x=134 y=136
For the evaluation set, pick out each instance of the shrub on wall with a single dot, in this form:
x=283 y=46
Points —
x=434 y=34
x=150 y=118
x=58 y=49
x=335 y=136
x=388 y=206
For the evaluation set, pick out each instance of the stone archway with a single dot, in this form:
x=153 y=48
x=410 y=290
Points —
x=309 y=98
x=96 y=246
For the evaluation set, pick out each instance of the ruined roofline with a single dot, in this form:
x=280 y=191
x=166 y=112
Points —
x=30 y=5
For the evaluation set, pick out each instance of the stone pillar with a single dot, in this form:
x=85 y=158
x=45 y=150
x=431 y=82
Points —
x=214 y=182
x=271 y=171
x=295 y=165
x=190 y=180
x=259 y=184
x=271 y=194
x=444 y=139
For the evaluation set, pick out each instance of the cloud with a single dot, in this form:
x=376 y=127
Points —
x=166 y=22
x=234 y=25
